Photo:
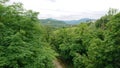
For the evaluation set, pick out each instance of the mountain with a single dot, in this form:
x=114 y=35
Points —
x=79 y=21
x=63 y=23
x=53 y=22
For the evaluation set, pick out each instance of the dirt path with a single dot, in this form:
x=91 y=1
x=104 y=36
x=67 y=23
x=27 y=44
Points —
x=58 y=64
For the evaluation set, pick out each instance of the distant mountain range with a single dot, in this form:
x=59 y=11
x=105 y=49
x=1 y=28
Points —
x=62 y=23
x=79 y=21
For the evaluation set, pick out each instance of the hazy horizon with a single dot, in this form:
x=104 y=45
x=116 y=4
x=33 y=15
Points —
x=70 y=9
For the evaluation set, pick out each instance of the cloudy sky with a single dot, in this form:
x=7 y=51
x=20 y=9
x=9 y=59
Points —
x=70 y=9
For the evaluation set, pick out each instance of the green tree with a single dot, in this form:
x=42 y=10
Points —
x=21 y=44
x=112 y=40
x=101 y=23
x=105 y=53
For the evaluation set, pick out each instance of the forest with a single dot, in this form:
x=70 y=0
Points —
x=27 y=43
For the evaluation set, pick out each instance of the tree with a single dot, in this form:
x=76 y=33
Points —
x=105 y=53
x=112 y=11
x=21 y=44
x=101 y=23
x=112 y=40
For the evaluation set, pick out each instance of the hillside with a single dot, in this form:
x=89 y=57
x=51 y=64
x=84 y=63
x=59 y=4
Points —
x=53 y=22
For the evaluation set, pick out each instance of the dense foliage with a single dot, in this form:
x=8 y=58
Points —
x=24 y=43
x=90 y=45
x=21 y=35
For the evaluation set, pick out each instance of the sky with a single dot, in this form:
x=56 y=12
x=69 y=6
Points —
x=70 y=9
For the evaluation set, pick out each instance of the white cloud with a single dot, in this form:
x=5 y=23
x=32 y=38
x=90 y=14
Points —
x=62 y=9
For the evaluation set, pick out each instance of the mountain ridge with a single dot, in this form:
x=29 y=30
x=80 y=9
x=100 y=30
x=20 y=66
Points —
x=71 y=21
x=63 y=23
x=53 y=22
x=79 y=21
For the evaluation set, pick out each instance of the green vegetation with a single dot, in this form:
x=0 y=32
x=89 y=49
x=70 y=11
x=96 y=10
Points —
x=21 y=44
x=90 y=45
x=25 y=43
x=53 y=23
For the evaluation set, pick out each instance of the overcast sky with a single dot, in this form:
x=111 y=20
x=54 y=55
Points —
x=70 y=9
